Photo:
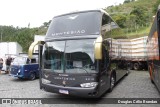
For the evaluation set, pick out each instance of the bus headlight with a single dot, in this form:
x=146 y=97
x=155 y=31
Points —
x=87 y=85
x=45 y=81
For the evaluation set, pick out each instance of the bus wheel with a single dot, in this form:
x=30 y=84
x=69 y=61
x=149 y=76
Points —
x=112 y=82
x=136 y=66
x=32 y=76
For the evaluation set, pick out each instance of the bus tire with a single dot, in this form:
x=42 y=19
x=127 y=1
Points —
x=136 y=66
x=32 y=76
x=112 y=82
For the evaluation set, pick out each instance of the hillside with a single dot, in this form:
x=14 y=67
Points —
x=128 y=7
x=135 y=17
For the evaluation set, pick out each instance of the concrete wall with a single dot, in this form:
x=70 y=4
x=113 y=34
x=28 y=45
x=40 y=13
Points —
x=12 y=48
x=9 y=48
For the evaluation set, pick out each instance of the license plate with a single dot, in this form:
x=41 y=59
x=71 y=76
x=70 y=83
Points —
x=63 y=91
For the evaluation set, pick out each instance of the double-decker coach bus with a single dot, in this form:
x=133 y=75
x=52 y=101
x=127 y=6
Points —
x=153 y=48
x=81 y=55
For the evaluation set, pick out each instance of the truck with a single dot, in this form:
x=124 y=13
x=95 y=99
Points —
x=139 y=53
x=134 y=51
x=24 y=67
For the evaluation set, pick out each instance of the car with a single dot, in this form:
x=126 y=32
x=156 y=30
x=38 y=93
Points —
x=25 y=68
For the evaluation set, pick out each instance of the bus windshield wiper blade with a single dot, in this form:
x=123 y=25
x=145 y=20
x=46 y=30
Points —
x=81 y=68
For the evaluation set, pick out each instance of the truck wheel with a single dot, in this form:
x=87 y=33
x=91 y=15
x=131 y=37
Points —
x=32 y=76
x=152 y=81
x=112 y=82
x=129 y=66
x=136 y=66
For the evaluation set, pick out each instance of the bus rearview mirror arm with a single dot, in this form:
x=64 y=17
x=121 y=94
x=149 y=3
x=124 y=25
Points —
x=31 y=48
x=98 y=48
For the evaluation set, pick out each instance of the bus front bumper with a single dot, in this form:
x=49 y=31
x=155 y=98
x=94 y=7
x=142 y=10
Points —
x=75 y=91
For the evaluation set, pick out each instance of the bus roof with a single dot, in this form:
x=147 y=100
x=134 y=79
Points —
x=83 y=11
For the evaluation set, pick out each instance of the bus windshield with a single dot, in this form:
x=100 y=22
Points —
x=70 y=56
x=87 y=23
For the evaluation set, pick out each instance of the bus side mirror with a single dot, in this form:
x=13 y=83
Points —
x=31 y=48
x=98 y=48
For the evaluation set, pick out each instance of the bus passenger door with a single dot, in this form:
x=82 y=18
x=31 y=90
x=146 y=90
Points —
x=104 y=67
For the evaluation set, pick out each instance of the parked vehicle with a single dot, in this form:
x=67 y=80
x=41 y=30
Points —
x=76 y=57
x=25 y=67
x=134 y=51
x=153 y=51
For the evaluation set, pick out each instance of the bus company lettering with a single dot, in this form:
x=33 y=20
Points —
x=69 y=32
x=64 y=78
x=88 y=79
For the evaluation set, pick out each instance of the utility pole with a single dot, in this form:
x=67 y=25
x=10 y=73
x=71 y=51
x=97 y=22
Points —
x=1 y=33
x=1 y=36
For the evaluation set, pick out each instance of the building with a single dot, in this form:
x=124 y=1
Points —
x=10 y=48
x=38 y=38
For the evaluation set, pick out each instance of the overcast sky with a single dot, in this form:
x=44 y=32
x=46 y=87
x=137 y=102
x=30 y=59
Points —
x=22 y=12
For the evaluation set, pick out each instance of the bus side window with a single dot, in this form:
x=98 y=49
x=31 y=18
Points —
x=105 y=31
x=105 y=54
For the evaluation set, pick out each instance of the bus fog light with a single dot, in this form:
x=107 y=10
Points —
x=87 y=85
x=19 y=71
x=45 y=81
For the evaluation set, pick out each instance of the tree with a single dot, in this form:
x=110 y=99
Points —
x=126 y=1
x=141 y=17
x=120 y=19
x=130 y=21
x=46 y=24
x=155 y=7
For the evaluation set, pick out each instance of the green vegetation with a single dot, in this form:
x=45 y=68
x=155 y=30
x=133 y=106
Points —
x=134 y=16
x=24 y=36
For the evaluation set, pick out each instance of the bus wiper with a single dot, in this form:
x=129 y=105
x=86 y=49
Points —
x=81 y=68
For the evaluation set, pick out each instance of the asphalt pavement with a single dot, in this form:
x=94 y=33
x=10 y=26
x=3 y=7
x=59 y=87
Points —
x=136 y=85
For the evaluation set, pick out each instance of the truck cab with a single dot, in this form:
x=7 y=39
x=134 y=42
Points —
x=24 y=67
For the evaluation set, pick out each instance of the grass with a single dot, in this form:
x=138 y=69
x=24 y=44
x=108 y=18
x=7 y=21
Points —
x=139 y=32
